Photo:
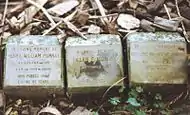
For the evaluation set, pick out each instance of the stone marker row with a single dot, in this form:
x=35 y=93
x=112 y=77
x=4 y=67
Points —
x=40 y=64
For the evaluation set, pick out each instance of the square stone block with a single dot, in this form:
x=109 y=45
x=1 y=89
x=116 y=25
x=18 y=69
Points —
x=94 y=63
x=156 y=58
x=33 y=66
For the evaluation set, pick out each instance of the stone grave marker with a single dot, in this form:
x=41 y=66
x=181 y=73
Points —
x=33 y=66
x=94 y=63
x=156 y=58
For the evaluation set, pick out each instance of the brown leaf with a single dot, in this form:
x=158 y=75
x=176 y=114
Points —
x=26 y=16
x=133 y=4
x=154 y=6
x=111 y=28
x=82 y=18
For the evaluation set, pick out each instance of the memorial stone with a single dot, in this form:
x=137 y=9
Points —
x=156 y=58
x=94 y=63
x=33 y=66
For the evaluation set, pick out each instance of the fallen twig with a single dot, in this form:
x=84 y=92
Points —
x=109 y=15
x=120 y=113
x=176 y=99
x=165 y=7
x=102 y=12
x=45 y=12
x=52 y=27
x=112 y=86
x=182 y=24
x=3 y=20
x=74 y=28
x=5 y=12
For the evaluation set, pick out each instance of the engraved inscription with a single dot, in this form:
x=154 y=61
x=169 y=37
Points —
x=157 y=62
x=33 y=65
x=94 y=65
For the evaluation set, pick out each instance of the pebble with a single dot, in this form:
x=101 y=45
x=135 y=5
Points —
x=93 y=29
x=128 y=21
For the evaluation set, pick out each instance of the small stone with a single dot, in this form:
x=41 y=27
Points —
x=157 y=58
x=93 y=63
x=93 y=29
x=128 y=21
x=33 y=66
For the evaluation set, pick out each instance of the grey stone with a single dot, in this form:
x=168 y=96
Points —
x=93 y=63
x=156 y=58
x=33 y=65
x=128 y=21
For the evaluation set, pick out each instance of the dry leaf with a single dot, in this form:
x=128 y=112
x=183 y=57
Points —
x=169 y=25
x=74 y=28
x=8 y=111
x=111 y=28
x=147 y=25
x=133 y=4
x=82 y=18
x=63 y=7
x=121 y=3
x=26 y=16
x=27 y=29
x=51 y=110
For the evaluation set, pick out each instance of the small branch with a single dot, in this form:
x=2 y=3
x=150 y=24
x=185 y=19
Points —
x=165 y=7
x=112 y=87
x=69 y=17
x=109 y=15
x=102 y=12
x=45 y=12
x=74 y=28
x=182 y=24
x=120 y=113
x=176 y=99
x=53 y=27
x=4 y=16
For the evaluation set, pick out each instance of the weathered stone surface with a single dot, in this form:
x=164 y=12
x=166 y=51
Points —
x=156 y=58
x=32 y=65
x=93 y=63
